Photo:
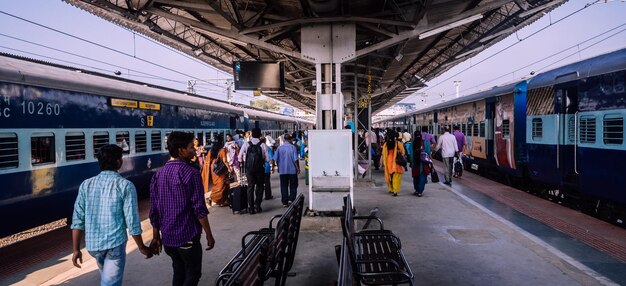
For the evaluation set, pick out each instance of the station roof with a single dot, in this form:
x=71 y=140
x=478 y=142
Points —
x=403 y=43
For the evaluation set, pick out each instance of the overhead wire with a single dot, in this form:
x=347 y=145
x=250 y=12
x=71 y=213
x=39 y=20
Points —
x=99 y=45
x=555 y=54
x=510 y=46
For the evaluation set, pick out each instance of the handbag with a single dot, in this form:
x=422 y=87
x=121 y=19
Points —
x=219 y=168
x=434 y=177
x=400 y=160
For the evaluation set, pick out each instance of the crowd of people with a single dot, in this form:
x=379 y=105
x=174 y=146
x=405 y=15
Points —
x=192 y=180
x=396 y=150
x=196 y=178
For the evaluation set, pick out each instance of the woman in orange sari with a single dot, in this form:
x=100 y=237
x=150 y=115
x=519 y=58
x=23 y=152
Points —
x=393 y=171
x=218 y=181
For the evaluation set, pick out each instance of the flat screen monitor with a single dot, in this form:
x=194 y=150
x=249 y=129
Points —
x=257 y=75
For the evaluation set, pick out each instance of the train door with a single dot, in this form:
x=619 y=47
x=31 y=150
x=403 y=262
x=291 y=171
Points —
x=566 y=101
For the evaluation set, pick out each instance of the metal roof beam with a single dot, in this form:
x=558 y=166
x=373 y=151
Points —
x=421 y=29
x=327 y=20
x=226 y=34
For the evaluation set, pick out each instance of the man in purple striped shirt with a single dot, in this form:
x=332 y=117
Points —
x=177 y=211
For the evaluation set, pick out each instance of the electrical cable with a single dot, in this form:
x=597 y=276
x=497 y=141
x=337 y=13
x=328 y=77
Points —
x=511 y=45
x=98 y=45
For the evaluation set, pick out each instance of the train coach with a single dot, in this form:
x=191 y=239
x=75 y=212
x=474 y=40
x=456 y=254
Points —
x=560 y=133
x=54 y=118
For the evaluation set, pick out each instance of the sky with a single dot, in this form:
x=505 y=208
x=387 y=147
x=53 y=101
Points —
x=597 y=29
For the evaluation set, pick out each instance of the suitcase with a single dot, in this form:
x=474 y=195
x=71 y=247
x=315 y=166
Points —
x=238 y=197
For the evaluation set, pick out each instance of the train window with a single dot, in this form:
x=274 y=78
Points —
x=200 y=138
x=74 y=146
x=99 y=139
x=587 y=129
x=42 y=149
x=482 y=129
x=475 y=130
x=8 y=151
x=122 y=139
x=141 y=142
x=155 y=137
x=506 y=131
x=613 y=129
x=571 y=128
x=537 y=129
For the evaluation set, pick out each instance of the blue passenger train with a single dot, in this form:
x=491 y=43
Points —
x=560 y=133
x=53 y=119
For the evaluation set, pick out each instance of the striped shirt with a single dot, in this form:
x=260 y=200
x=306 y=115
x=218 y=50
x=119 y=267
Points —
x=106 y=205
x=177 y=203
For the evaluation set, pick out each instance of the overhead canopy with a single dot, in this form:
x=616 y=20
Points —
x=404 y=43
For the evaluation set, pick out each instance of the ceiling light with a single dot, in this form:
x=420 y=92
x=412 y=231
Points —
x=450 y=26
x=198 y=52
x=399 y=57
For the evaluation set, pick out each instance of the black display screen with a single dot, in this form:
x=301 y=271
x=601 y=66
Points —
x=259 y=75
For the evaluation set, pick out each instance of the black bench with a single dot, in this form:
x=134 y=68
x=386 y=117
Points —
x=278 y=257
x=375 y=256
x=248 y=267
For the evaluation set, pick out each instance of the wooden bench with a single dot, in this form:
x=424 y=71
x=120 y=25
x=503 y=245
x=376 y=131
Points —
x=282 y=240
x=375 y=256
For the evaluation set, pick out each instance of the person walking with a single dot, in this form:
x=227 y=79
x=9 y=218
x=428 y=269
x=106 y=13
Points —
x=105 y=207
x=429 y=138
x=420 y=167
x=288 y=165
x=449 y=149
x=393 y=172
x=460 y=141
x=267 y=185
x=178 y=213
x=215 y=172
x=253 y=155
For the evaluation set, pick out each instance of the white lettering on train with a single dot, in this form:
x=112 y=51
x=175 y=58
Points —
x=40 y=108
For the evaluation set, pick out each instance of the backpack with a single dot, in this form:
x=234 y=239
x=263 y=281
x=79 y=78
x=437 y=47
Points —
x=254 y=159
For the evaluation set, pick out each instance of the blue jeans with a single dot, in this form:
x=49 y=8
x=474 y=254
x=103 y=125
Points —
x=111 y=263
x=288 y=188
x=187 y=262
x=419 y=183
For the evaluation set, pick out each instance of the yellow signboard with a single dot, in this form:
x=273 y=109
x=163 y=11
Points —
x=149 y=105
x=150 y=120
x=123 y=103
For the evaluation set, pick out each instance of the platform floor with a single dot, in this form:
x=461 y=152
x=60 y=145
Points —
x=450 y=236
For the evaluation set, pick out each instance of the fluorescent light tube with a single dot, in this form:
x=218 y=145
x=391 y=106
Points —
x=450 y=26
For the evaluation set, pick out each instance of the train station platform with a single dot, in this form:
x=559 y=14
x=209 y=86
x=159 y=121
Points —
x=476 y=232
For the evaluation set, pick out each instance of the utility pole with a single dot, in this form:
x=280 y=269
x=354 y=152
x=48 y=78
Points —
x=457 y=84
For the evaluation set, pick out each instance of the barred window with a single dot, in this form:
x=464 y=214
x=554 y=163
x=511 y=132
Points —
x=200 y=137
x=571 y=128
x=506 y=130
x=155 y=137
x=8 y=151
x=122 y=139
x=100 y=139
x=482 y=129
x=74 y=146
x=167 y=134
x=141 y=142
x=613 y=129
x=475 y=130
x=537 y=129
x=42 y=149
x=587 y=129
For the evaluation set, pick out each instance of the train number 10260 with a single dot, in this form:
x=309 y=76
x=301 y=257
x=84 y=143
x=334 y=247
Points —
x=40 y=108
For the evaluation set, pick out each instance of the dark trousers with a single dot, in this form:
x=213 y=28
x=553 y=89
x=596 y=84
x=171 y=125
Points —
x=288 y=188
x=255 y=189
x=187 y=262
x=267 y=186
x=376 y=156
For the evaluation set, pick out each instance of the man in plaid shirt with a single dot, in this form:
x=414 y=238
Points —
x=106 y=205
